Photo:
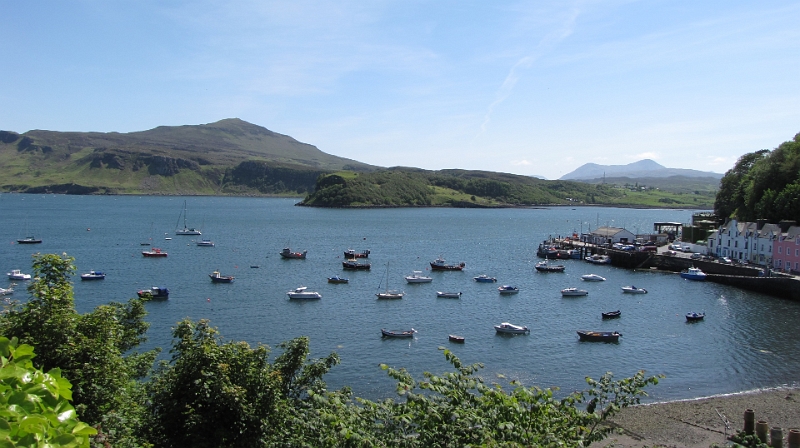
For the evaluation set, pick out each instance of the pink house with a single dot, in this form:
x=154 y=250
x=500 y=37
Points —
x=786 y=251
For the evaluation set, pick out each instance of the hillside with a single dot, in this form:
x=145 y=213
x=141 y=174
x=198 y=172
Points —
x=592 y=172
x=230 y=156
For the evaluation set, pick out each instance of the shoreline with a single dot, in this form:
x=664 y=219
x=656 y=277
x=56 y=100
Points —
x=701 y=422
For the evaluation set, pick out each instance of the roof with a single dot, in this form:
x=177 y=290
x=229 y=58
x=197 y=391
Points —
x=608 y=231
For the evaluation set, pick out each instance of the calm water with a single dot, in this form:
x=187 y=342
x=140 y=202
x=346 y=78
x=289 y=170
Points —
x=747 y=340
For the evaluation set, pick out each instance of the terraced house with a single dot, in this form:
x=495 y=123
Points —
x=750 y=242
x=787 y=251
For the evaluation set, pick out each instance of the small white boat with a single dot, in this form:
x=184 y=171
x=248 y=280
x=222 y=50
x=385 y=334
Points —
x=574 y=292
x=593 y=278
x=507 y=289
x=302 y=293
x=93 y=275
x=389 y=293
x=7 y=291
x=448 y=295
x=598 y=259
x=693 y=274
x=506 y=327
x=483 y=278
x=417 y=277
x=17 y=274
x=398 y=334
x=633 y=290
x=186 y=230
x=205 y=243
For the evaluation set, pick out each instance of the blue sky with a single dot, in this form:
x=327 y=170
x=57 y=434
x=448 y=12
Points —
x=533 y=88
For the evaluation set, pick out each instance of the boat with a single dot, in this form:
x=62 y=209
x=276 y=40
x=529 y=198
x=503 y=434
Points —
x=205 y=243
x=507 y=289
x=93 y=275
x=574 y=254
x=693 y=274
x=287 y=253
x=592 y=278
x=155 y=292
x=29 y=240
x=186 y=230
x=456 y=339
x=611 y=314
x=483 y=278
x=389 y=293
x=633 y=290
x=440 y=265
x=17 y=274
x=154 y=252
x=352 y=253
x=216 y=277
x=448 y=295
x=398 y=334
x=506 y=327
x=302 y=293
x=355 y=264
x=598 y=259
x=8 y=291
x=337 y=279
x=694 y=317
x=599 y=336
x=545 y=266
x=417 y=277
x=574 y=292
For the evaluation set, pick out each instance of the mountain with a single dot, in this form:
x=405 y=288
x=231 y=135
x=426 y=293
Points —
x=229 y=156
x=642 y=169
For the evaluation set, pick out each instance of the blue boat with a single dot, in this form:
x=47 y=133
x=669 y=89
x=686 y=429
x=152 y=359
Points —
x=483 y=278
x=693 y=274
x=93 y=275
x=154 y=293
x=337 y=279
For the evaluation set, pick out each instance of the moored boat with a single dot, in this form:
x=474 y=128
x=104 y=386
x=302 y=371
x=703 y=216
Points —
x=693 y=274
x=574 y=292
x=456 y=338
x=155 y=292
x=93 y=275
x=287 y=253
x=417 y=277
x=507 y=289
x=205 y=243
x=8 y=291
x=17 y=274
x=483 y=278
x=352 y=253
x=545 y=266
x=355 y=265
x=506 y=327
x=611 y=314
x=398 y=334
x=29 y=240
x=185 y=230
x=440 y=265
x=592 y=278
x=599 y=336
x=216 y=277
x=302 y=293
x=694 y=317
x=389 y=293
x=598 y=259
x=154 y=252
x=448 y=295
x=633 y=290
x=337 y=279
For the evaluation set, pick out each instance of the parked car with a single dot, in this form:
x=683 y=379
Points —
x=696 y=256
x=725 y=260
x=670 y=253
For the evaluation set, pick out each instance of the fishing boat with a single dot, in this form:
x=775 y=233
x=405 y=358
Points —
x=574 y=292
x=205 y=243
x=592 y=278
x=398 y=334
x=155 y=292
x=216 y=277
x=389 y=293
x=448 y=295
x=440 y=265
x=355 y=265
x=287 y=253
x=17 y=274
x=507 y=289
x=93 y=275
x=633 y=290
x=455 y=338
x=352 y=253
x=611 y=314
x=302 y=293
x=186 y=230
x=417 y=277
x=693 y=274
x=694 y=317
x=337 y=279
x=545 y=266
x=154 y=252
x=29 y=240
x=506 y=327
x=599 y=336
x=483 y=278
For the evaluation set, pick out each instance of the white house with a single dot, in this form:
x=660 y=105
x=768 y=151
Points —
x=611 y=235
x=744 y=241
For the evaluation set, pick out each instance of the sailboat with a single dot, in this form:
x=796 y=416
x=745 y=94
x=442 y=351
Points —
x=186 y=230
x=28 y=239
x=389 y=293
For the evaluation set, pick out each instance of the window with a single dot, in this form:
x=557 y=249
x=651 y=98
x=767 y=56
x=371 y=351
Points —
x=797 y=252
x=780 y=249
x=736 y=243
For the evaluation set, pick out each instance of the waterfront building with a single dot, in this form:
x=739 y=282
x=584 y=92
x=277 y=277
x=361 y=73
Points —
x=787 y=251
x=751 y=242
x=611 y=235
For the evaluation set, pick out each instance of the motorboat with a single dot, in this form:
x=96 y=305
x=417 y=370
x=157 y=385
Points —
x=574 y=292
x=483 y=278
x=598 y=259
x=448 y=295
x=352 y=253
x=185 y=230
x=7 y=291
x=216 y=277
x=545 y=266
x=611 y=314
x=93 y=275
x=205 y=243
x=440 y=265
x=29 y=240
x=417 y=277
x=633 y=290
x=287 y=253
x=599 y=336
x=592 y=278
x=155 y=292
x=455 y=338
x=507 y=289
x=154 y=252
x=389 y=293
x=355 y=265
x=337 y=279
x=693 y=274
x=303 y=293
x=506 y=327
x=17 y=274
x=694 y=317
x=398 y=334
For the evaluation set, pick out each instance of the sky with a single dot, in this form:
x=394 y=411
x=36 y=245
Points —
x=525 y=87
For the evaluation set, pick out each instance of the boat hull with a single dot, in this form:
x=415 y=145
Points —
x=390 y=295
x=353 y=254
x=419 y=279
x=337 y=280
x=611 y=314
x=29 y=241
x=448 y=295
x=356 y=266
x=456 y=339
x=511 y=329
x=599 y=336
x=572 y=292
x=694 y=317
x=398 y=334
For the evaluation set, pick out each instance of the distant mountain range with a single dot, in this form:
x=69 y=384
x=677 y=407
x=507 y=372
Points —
x=642 y=169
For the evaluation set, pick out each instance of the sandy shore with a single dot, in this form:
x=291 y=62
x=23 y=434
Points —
x=697 y=423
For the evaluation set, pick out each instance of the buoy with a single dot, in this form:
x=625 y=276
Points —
x=208 y=299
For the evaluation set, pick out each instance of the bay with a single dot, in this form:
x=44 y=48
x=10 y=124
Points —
x=746 y=341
